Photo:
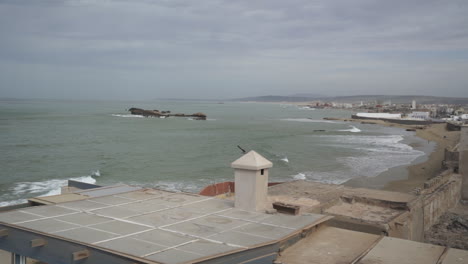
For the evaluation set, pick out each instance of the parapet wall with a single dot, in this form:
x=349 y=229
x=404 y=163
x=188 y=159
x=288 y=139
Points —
x=441 y=193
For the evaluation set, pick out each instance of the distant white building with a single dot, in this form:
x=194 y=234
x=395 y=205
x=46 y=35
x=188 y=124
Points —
x=413 y=104
x=419 y=115
x=379 y=115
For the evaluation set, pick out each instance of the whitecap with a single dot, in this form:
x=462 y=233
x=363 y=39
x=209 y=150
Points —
x=299 y=176
x=127 y=115
x=376 y=154
x=44 y=188
x=306 y=108
x=13 y=202
x=285 y=159
x=352 y=129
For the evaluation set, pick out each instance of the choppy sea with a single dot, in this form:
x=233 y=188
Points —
x=45 y=143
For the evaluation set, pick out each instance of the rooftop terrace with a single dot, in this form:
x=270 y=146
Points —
x=153 y=226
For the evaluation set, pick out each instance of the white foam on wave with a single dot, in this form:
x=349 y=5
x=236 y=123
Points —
x=299 y=176
x=324 y=177
x=307 y=120
x=352 y=129
x=285 y=159
x=375 y=154
x=45 y=188
x=127 y=115
x=306 y=108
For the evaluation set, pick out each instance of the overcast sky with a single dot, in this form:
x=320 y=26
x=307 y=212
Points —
x=130 y=49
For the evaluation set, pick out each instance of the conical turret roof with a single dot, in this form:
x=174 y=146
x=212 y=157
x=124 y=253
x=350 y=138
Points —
x=252 y=161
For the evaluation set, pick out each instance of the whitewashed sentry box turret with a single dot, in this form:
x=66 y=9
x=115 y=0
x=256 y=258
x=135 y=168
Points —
x=251 y=182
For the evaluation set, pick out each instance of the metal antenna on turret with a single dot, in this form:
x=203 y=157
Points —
x=243 y=150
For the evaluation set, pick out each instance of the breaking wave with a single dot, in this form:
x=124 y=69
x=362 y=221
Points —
x=352 y=129
x=375 y=154
x=299 y=176
x=44 y=188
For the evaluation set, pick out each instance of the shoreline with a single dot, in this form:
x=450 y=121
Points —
x=405 y=178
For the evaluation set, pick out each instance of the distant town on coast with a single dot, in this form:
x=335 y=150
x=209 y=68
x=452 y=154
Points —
x=454 y=109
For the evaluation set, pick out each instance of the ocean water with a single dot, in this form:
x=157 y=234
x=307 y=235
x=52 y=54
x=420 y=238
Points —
x=45 y=143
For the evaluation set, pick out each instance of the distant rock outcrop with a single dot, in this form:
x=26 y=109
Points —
x=164 y=114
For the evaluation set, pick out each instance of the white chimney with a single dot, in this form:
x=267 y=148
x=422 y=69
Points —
x=251 y=182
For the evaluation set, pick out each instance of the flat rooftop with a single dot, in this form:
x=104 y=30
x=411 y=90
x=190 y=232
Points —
x=158 y=226
x=340 y=246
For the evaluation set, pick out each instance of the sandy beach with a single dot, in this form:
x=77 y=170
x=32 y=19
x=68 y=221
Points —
x=406 y=178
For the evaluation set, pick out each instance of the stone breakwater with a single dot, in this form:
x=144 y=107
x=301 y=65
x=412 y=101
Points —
x=164 y=114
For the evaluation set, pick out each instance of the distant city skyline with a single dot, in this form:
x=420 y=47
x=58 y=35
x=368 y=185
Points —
x=219 y=49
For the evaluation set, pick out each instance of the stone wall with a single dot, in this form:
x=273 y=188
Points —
x=438 y=195
x=439 y=198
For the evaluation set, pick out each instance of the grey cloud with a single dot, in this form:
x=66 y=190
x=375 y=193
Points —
x=262 y=47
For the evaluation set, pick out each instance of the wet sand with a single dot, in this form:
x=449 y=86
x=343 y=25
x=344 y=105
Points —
x=406 y=178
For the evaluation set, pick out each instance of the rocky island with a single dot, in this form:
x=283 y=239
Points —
x=164 y=114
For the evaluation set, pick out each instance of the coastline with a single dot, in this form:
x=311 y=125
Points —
x=406 y=178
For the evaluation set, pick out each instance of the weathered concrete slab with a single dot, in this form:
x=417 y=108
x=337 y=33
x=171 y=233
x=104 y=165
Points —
x=393 y=250
x=120 y=227
x=55 y=199
x=165 y=217
x=109 y=190
x=166 y=238
x=455 y=256
x=329 y=245
x=245 y=215
x=112 y=200
x=48 y=211
x=17 y=216
x=272 y=232
x=173 y=256
x=116 y=212
x=143 y=195
x=87 y=235
x=209 y=206
x=132 y=246
x=48 y=225
x=213 y=221
x=195 y=229
x=292 y=221
x=148 y=206
x=239 y=239
x=84 y=219
x=207 y=248
x=83 y=205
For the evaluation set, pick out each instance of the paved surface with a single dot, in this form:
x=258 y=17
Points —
x=393 y=250
x=456 y=256
x=329 y=245
x=157 y=225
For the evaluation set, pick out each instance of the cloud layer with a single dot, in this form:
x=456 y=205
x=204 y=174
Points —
x=124 y=49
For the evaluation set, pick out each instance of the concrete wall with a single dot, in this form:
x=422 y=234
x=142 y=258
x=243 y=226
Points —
x=463 y=164
x=439 y=195
x=5 y=257
x=444 y=197
x=451 y=160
